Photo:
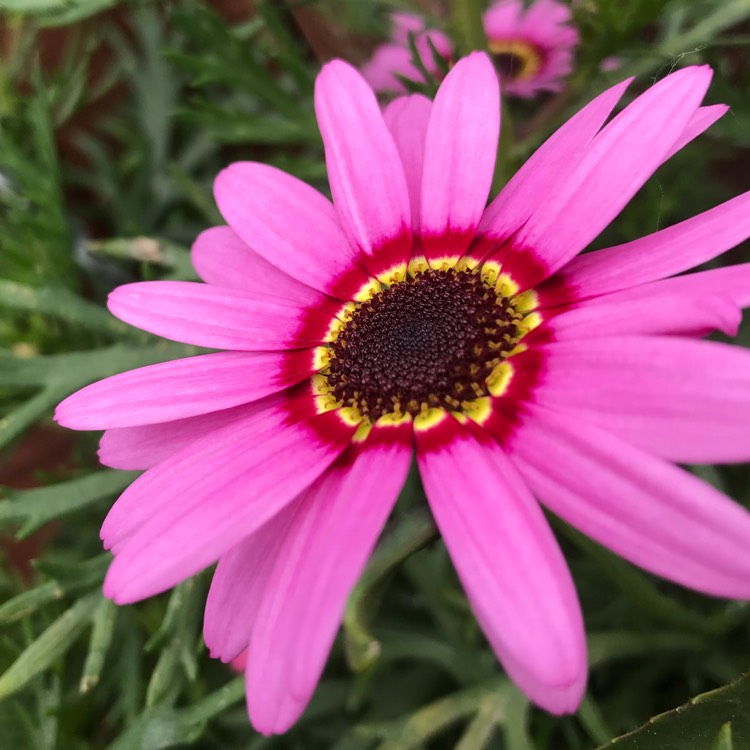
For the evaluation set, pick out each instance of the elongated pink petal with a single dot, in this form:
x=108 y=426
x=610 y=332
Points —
x=207 y=498
x=182 y=388
x=509 y=563
x=238 y=585
x=731 y=283
x=218 y=318
x=137 y=448
x=129 y=514
x=644 y=509
x=650 y=312
x=685 y=400
x=664 y=253
x=364 y=169
x=407 y=119
x=615 y=166
x=140 y=448
x=288 y=223
x=701 y=121
x=220 y=257
x=332 y=535
x=459 y=161
x=554 y=159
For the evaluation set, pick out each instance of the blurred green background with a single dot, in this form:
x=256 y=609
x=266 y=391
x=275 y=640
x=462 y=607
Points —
x=114 y=119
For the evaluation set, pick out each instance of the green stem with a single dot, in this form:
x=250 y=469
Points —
x=413 y=531
x=466 y=19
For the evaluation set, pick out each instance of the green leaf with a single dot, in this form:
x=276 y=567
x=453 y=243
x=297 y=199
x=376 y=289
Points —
x=466 y=18
x=160 y=728
x=101 y=640
x=61 y=303
x=50 y=645
x=723 y=739
x=65 y=373
x=29 y=601
x=413 y=531
x=34 y=508
x=414 y=730
x=701 y=724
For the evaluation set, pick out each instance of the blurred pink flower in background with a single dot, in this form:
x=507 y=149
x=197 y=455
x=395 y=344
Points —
x=394 y=58
x=532 y=48
x=409 y=316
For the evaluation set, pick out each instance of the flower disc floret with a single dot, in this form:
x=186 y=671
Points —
x=429 y=341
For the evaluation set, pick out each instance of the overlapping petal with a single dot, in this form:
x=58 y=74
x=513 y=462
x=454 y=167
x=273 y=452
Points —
x=220 y=257
x=288 y=223
x=364 y=169
x=459 y=161
x=332 y=534
x=509 y=564
x=147 y=445
x=655 y=256
x=183 y=514
x=618 y=162
x=643 y=508
x=407 y=119
x=540 y=174
x=682 y=399
x=218 y=318
x=238 y=586
x=182 y=388
x=632 y=312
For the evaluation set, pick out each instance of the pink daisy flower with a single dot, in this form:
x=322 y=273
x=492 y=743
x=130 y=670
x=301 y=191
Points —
x=409 y=316
x=394 y=58
x=532 y=47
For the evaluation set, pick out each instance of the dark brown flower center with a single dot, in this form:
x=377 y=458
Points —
x=509 y=65
x=429 y=341
x=515 y=59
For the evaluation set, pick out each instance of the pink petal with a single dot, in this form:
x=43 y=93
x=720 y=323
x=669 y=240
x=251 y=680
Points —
x=238 y=585
x=655 y=256
x=646 y=311
x=685 y=400
x=459 y=161
x=407 y=119
x=644 y=509
x=204 y=500
x=221 y=258
x=510 y=565
x=701 y=121
x=554 y=159
x=502 y=18
x=140 y=448
x=332 y=535
x=364 y=169
x=288 y=223
x=218 y=318
x=546 y=16
x=617 y=163
x=147 y=445
x=182 y=388
x=731 y=283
